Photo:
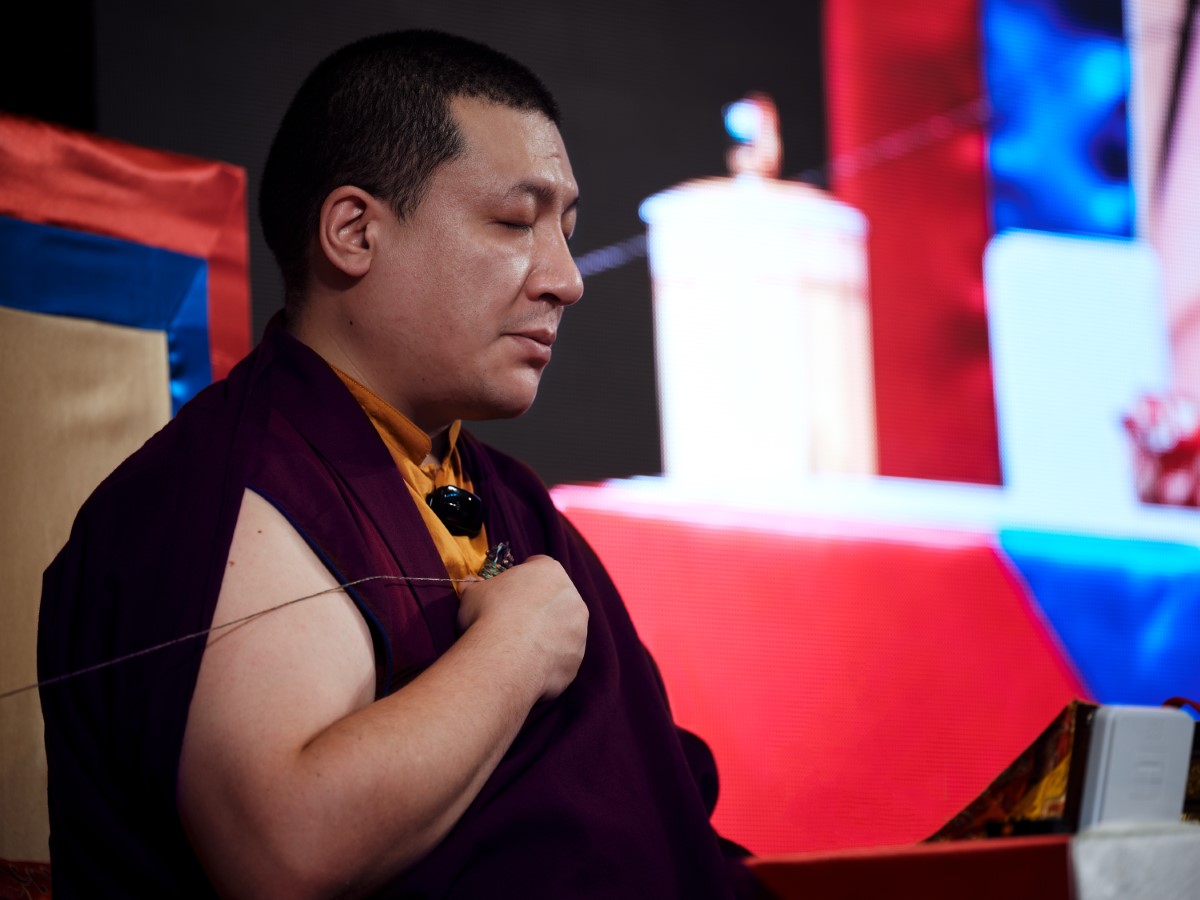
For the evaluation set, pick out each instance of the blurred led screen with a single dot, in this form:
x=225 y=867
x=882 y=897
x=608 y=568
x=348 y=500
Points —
x=945 y=380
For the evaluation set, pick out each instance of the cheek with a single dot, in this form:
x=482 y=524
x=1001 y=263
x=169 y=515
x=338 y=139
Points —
x=495 y=275
x=473 y=278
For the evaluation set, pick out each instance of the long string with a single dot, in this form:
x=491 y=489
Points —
x=199 y=634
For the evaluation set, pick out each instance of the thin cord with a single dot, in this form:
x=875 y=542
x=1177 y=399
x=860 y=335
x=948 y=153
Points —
x=197 y=634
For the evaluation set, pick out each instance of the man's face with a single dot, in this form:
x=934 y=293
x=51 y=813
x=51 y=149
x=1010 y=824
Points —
x=466 y=294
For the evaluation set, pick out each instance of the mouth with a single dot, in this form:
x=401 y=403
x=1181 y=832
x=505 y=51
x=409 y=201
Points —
x=535 y=344
x=543 y=336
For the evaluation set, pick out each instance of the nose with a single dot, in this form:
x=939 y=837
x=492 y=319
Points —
x=557 y=279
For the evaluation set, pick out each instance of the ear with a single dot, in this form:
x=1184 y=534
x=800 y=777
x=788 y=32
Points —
x=345 y=231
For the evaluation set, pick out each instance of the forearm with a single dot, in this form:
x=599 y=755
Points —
x=408 y=766
x=378 y=789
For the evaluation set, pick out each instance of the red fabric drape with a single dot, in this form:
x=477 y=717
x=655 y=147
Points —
x=901 y=80
x=859 y=683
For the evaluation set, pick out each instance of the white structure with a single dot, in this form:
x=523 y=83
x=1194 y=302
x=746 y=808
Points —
x=761 y=327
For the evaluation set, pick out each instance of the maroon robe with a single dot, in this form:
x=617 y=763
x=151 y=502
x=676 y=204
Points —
x=599 y=795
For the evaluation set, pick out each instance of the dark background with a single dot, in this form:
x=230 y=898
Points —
x=641 y=85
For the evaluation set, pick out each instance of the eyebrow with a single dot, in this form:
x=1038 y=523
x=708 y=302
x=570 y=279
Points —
x=545 y=194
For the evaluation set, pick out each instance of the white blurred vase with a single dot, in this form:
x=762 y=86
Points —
x=762 y=329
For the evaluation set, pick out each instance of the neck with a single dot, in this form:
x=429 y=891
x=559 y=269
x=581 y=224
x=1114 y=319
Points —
x=325 y=341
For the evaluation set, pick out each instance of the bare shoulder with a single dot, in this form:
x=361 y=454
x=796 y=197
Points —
x=269 y=685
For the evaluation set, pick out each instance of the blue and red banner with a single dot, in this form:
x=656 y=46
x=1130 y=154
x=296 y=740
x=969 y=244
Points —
x=99 y=229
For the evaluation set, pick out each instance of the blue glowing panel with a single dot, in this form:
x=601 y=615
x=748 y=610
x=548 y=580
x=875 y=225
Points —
x=1057 y=75
x=1126 y=611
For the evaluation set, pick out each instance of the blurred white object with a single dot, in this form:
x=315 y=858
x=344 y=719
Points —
x=1151 y=862
x=761 y=328
x=1077 y=335
x=1137 y=766
x=1131 y=843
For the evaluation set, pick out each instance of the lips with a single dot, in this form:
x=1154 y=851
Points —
x=543 y=336
x=536 y=343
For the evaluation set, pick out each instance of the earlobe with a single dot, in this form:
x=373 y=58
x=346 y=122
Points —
x=342 y=231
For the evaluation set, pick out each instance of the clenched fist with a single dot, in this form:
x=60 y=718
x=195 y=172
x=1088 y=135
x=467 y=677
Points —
x=536 y=608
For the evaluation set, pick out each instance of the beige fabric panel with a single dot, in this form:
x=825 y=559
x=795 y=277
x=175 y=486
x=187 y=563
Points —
x=76 y=397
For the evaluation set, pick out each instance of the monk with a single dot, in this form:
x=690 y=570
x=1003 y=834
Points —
x=419 y=680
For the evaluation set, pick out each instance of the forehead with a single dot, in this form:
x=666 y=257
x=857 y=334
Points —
x=505 y=148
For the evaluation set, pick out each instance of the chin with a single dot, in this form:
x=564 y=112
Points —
x=511 y=411
x=507 y=406
x=503 y=397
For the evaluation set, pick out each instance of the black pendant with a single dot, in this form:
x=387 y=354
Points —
x=460 y=510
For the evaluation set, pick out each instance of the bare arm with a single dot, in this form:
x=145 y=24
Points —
x=292 y=782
